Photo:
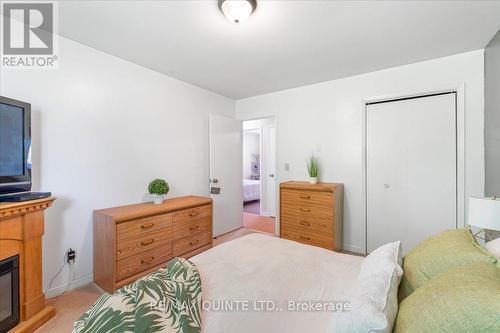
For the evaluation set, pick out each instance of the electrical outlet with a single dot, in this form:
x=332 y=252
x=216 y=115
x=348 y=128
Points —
x=71 y=256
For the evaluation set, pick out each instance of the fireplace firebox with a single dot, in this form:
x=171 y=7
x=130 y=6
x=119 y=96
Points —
x=9 y=293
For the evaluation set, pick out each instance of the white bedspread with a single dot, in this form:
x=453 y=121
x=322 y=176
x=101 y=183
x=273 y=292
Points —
x=260 y=267
x=251 y=190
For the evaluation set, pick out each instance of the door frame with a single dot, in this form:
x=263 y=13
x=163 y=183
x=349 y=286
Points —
x=259 y=128
x=461 y=173
x=268 y=189
x=276 y=174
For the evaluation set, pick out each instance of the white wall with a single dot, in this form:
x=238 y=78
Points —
x=492 y=116
x=251 y=147
x=102 y=129
x=326 y=118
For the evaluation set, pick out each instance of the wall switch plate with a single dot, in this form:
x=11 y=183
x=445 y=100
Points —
x=287 y=166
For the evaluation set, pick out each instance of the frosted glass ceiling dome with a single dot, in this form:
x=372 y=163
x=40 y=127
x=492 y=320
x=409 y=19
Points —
x=237 y=11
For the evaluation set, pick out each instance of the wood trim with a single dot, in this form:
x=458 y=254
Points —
x=306 y=186
x=132 y=212
x=21 y=231
x=18 y=208
x=104 y=251
x=36 y=321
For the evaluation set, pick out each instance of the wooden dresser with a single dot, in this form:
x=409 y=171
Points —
x=131 y=241
x=312 y=213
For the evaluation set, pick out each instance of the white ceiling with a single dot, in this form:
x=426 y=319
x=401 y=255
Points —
x=284 y=44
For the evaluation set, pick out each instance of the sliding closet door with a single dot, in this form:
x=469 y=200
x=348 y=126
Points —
x=411 y=169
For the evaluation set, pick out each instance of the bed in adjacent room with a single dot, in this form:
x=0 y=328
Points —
x=251 y=190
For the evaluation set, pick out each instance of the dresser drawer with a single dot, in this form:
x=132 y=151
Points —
x=142 y=261
x=186 y=229
x=318 y=224
x=306 y=237
x=191 y=214
x=307 y=197
x=133 y=245
x=139 y=227
x=190 y=243
x=308 y=210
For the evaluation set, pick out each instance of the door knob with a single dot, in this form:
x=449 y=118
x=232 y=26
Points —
x=271 y=175
x=215 y=180
x=387 y=185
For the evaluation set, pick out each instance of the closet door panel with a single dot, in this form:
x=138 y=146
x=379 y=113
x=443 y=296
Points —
x=411 y=170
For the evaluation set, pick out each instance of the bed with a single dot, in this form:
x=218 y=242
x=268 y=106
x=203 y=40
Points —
x=293 y=272
x=261 y=269
x=251 y=190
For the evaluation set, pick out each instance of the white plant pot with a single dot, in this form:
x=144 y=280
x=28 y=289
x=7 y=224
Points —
x=157 y=199
x=313 y=180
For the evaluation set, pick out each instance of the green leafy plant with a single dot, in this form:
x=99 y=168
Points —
x=158 y=187
x=312 y=167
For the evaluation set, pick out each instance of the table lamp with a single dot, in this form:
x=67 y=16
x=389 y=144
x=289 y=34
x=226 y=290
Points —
x=484 y=213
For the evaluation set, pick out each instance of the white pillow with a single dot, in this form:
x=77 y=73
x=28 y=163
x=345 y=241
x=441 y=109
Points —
x=374 y=298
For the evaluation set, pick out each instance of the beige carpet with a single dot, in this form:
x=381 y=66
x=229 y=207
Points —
x=70 y=306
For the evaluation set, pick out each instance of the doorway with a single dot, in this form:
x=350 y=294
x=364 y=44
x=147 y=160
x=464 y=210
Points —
x=259 y=175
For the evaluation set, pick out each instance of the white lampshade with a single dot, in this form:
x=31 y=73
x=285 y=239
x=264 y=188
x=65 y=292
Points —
x=484 y=213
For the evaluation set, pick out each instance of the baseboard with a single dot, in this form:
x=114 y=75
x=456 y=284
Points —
x=353 y=248
x=56 y=291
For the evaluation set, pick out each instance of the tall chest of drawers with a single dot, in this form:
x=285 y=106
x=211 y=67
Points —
x=312 y=213
x=131 y=241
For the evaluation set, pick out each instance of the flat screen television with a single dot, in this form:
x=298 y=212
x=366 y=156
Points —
x=15 y=144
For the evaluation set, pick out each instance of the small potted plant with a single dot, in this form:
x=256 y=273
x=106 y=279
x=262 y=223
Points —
x=158 y=188
x=312 y=168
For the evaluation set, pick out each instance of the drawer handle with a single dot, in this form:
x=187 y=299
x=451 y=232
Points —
x=305 y=210
x=194 y=242
x=305 y=197
x=148 y=242
x=148 y=260
x=304 y=237
x=193 y=214
x=305 y=223
x=147 y=226
x=194 y=227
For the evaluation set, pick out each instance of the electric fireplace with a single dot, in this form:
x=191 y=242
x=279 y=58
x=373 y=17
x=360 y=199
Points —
x=9 y=293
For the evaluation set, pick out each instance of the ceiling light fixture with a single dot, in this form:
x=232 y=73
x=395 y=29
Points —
x=237 y=11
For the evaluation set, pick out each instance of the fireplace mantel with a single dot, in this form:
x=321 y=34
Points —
x=21 y=231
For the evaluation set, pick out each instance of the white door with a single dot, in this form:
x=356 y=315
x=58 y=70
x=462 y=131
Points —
x=225 y=173
x=271 y=184
x=411 y=163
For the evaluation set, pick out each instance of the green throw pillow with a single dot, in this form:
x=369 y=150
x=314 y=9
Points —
x=438 y=254
x=464 y=299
